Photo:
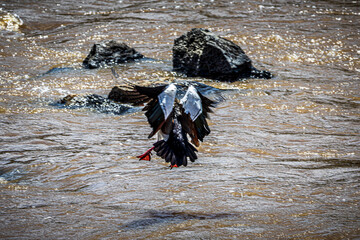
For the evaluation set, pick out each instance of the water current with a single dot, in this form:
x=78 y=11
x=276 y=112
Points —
x=282 y=160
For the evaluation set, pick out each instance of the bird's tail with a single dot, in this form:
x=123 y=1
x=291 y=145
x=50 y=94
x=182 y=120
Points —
x=177 y=157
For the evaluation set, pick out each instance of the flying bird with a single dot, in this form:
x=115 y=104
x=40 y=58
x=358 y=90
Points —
x=174 y=112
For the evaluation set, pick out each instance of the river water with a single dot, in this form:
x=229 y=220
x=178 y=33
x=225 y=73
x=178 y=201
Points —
x=283 y=158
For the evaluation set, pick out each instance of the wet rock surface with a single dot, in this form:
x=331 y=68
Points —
x=108 y=53
x=202 y=53
x=96 y=102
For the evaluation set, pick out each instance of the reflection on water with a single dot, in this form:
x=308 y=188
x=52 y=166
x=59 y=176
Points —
x=282 y=160
x=9 y=22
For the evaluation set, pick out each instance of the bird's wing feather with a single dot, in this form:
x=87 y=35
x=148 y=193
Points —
x=195 y=109
x=124 y=94
x=160 y=107
x=167 y=100
x=160 y=102
x=192 y=103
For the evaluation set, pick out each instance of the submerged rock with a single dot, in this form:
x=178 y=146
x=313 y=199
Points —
x=95 y=102
x=108 y=53
x=202 y=53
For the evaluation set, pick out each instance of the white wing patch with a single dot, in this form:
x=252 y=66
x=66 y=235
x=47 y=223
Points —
x=192 y=103
x=167 y=99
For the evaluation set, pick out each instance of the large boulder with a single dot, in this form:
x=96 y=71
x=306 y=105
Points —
x=202 y=53
x=108 y=53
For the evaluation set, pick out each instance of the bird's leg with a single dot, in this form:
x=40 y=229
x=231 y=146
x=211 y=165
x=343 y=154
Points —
x=146 y=156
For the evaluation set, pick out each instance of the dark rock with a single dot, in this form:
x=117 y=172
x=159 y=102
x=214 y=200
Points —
x=202 y=53
x=95 y=102
x=110 y=53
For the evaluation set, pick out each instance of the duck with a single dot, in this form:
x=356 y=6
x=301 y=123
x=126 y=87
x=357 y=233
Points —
x=177 y=113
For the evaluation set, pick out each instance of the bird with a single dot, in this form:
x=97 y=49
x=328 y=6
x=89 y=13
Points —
x=174 y=112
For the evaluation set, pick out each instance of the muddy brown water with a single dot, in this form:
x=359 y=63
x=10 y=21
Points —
x=283 y=158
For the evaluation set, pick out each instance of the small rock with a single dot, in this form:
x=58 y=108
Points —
x=108 y=53
x=96 y=102
x=202 y=53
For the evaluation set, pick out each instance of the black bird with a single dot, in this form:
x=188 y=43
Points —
x=174 y=112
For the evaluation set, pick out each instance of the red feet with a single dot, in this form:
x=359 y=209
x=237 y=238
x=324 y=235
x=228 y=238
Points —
x=171 y=166
x=147 y=155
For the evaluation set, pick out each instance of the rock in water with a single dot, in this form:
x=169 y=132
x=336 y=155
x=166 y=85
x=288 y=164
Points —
x=110 y=53
x=95 y=102
x=202 y=53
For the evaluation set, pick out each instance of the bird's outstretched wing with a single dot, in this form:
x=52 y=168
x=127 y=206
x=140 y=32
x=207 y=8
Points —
x=160 y=108
x=160 y=102
x=134 y=94
x=195 y=109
